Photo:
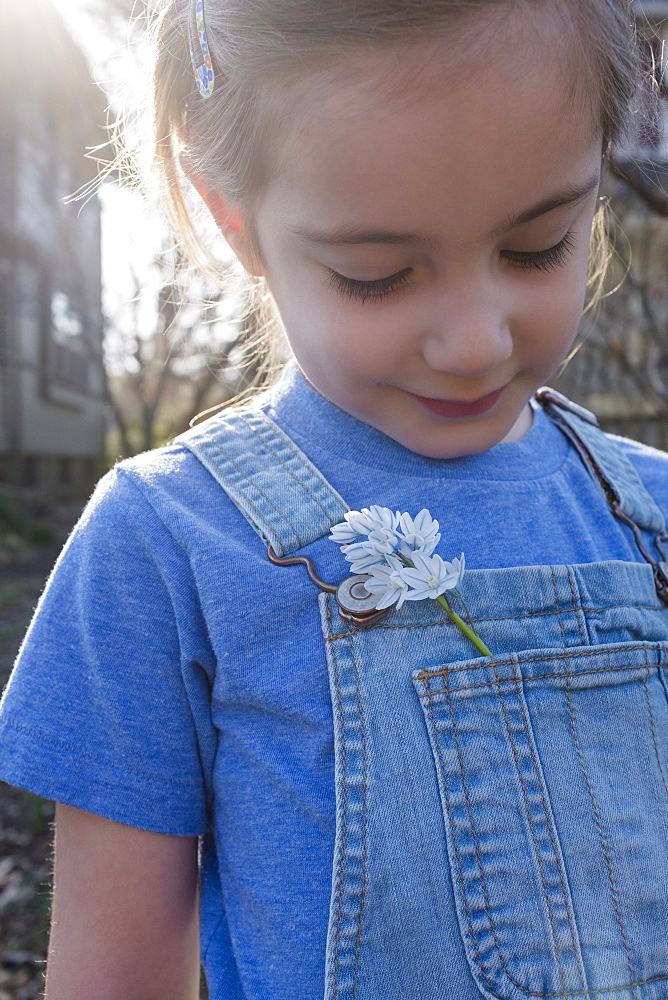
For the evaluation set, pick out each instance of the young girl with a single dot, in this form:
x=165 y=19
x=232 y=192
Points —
x=385 y=804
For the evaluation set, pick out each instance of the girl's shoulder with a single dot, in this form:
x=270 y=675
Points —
x=167 y=497
x=167 y=471
x=174 y=468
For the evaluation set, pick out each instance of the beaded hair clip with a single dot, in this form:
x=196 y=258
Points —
x=199 y=49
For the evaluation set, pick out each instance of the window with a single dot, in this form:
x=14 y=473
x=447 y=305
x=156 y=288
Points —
x=68 y=363
x=65 y=321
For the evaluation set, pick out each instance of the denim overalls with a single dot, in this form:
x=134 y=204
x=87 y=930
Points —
x=532 y=785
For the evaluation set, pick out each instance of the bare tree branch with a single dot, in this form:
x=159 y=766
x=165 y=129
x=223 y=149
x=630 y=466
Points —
x=646 y=178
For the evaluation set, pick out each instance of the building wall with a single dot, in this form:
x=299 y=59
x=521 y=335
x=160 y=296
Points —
x=52 y=382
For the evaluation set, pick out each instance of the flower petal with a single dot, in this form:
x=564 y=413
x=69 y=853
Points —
x=343 y=534
x=381 y=517
x=389 y=598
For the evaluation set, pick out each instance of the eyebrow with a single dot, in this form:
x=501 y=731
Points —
x=360 y=237
x=568 y=197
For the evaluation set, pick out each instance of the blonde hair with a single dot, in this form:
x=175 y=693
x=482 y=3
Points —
x=222 y=140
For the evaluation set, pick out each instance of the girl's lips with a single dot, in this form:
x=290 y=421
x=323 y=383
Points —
x=456 y=408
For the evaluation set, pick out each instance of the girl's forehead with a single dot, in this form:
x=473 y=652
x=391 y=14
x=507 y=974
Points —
x=467 y=133
x=492 y=47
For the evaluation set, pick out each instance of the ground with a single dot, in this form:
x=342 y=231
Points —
x=25 y=821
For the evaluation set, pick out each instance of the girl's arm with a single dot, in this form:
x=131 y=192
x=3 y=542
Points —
x=125 y=913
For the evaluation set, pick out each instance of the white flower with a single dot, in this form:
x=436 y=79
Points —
x=361 y=522
x=351 y=530
x=379 y=517
x=387 y=581
x=344 y=534
x=362 y=555
x=430 y=576
x=395 y=554
x=419 y=534
x=384 y=541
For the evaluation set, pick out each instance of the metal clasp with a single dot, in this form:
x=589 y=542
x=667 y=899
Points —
x=356 y=604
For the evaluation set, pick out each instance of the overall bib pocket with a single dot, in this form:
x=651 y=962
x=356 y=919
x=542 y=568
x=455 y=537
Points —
x=504 y=834
x=552 y=768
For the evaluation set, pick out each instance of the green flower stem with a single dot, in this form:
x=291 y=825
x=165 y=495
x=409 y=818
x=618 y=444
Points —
x=468 y=632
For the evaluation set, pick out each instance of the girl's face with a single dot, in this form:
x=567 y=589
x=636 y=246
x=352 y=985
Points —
x=427 y=246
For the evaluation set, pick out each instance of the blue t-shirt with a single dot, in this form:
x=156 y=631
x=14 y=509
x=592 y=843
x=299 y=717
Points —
x=174 y=680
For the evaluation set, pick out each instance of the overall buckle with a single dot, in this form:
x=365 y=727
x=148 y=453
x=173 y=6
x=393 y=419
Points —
x=356 y=604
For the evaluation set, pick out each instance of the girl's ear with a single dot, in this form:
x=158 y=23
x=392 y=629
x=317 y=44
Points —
x=230 y=220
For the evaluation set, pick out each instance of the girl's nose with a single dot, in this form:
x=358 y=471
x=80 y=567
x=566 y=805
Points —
x=468 y=338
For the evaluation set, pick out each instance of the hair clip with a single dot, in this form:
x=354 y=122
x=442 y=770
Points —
x=199 y=49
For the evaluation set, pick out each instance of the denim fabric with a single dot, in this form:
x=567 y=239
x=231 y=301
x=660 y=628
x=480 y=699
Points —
x=288 y=502
x=174 y=680
x=532 y=786
x=634 y=500
x=534 y=783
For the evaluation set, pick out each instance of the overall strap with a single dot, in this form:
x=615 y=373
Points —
x=276 y=487
x=613 y=470
x=609 y=465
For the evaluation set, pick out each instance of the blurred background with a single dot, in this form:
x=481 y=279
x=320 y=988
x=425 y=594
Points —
x=109 y=344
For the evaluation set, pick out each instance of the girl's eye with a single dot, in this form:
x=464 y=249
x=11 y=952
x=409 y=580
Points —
x=372 y=291
x=542 y=260
x=369 y=291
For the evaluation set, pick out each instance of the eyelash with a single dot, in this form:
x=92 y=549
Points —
x=543 y=260
x=369 y=291
x=373 y=291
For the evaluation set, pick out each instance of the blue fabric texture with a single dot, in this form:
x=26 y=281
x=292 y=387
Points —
x=278 y=490
x=174 y=680
x=613 y=464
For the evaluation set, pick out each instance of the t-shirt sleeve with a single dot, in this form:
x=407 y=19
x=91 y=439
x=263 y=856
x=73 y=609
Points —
x=105 y=710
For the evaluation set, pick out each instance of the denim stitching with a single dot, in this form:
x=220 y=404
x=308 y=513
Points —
x=527 y=810
x=358 y=937
x=354 y=631
x=482 y=876
x=601 y=831
x=467 y=616
x=550 y=829
x=266 y=439
x=576 y=654
x=248 y=479
x=474 y=832
x=538 y=677
x=557 y=608
x=341 y=858
x=509 y=618
x=587 y=992
x=462 y=884
x=262 y=493
x=652 y=725
x=577 y=993
x=574 y=596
